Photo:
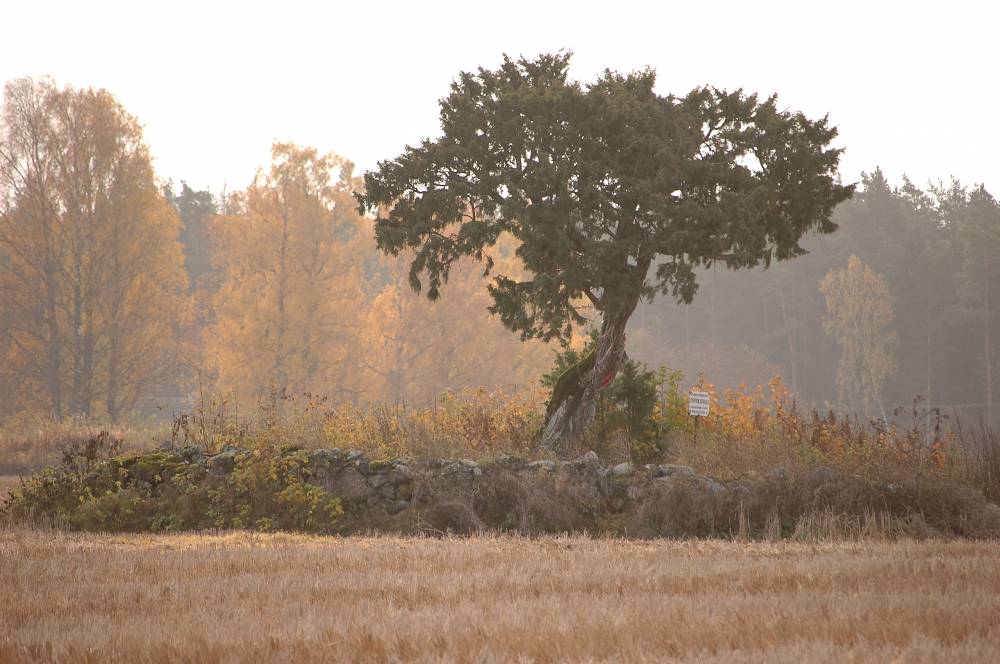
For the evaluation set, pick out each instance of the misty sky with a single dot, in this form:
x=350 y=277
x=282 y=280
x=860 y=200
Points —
x=912 y=86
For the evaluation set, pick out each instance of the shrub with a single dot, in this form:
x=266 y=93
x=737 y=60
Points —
x=626 y=409
x=164 y=490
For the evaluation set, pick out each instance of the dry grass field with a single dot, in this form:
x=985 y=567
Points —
x=252 y=597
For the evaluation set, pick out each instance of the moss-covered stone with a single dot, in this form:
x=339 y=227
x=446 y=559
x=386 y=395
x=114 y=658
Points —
x=380 y=465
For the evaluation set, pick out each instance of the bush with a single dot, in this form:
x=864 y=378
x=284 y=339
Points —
x=626 y=409
x=163 y=490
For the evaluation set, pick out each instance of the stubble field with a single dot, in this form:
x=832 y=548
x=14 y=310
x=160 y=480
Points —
x=251 y=597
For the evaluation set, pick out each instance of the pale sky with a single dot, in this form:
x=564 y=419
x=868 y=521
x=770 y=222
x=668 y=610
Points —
x=913 y=86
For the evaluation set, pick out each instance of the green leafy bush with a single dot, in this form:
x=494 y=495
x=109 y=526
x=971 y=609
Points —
x=626 y=408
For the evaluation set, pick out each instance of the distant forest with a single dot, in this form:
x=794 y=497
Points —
x=934 y=250
x=122 y=294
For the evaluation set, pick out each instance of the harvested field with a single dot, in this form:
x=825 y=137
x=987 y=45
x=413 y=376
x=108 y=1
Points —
x=242 y=597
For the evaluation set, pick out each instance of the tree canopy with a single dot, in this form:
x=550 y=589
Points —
x=614 y=192
x=290 y=291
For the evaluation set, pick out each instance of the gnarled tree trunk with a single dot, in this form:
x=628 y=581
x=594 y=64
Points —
x=574 y=403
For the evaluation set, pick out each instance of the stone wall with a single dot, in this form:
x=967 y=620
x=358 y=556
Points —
x=344 y=492
x=584 y=495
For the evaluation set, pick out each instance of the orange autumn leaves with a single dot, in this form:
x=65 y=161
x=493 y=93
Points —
x=308 y=305
x=287 y=310
x=98 y=317
x=93 y=292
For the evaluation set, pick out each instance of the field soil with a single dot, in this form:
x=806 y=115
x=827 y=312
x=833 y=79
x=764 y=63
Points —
x=250 y=597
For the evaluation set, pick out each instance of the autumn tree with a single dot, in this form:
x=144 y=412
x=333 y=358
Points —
x=614 y=193
x=289 y=306
x=414 y=349
x=93 y=282
x=859 y=315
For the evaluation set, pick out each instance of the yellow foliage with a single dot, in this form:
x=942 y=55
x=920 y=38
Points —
x=93 y=286
x=859 y=312
x=414 y=348
x=290 y=305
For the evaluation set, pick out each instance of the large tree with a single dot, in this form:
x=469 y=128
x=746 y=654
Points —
x=288 y=307
x=614 y=192
x=92 y=283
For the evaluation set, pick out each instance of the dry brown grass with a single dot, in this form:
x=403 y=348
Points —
x=251 y=597
x=7 y=484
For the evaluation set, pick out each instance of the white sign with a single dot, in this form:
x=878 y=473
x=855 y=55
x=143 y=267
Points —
x=698 y=403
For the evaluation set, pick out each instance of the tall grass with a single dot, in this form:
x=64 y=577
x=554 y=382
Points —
x=979 y=447
x=470 y=423
x=749 y=430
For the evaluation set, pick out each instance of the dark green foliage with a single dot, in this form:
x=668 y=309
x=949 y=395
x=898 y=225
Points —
x=564 y=377
x=629 y=401
x=565 y=360
x=626 y=406
x=614 y=192
x=196 y=209
x=180 y=490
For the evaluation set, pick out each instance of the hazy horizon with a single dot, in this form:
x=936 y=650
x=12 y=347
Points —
x=215 y=85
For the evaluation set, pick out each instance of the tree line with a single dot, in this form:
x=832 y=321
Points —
x=117 y=289
x=92 y=286
x=898 y=303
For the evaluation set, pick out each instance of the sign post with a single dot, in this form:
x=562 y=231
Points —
x=698 y=403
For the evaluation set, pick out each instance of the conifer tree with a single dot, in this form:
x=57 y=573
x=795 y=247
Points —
x=614 y=192
x=974 y=215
